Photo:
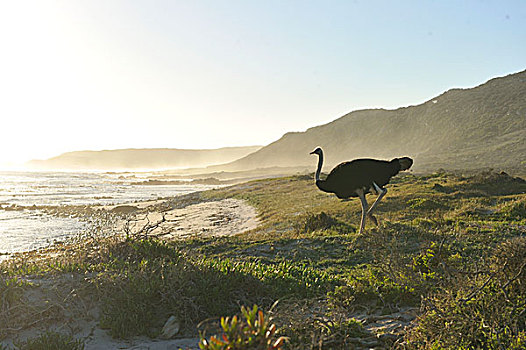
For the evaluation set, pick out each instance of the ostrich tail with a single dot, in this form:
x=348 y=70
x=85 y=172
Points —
x=405 y=163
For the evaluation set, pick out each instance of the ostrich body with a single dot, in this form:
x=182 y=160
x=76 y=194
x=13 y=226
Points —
x=358 y=177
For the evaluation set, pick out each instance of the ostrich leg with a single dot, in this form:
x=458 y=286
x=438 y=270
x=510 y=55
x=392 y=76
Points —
x=361 y=194
x=382 y=192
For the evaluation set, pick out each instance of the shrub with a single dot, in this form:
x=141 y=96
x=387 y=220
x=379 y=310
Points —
x=436 y=262
x=139 y=299
x=483 y=309
x=374 y=287
x=252 y=332
x=152 y=281
x=281 y=279
x=321 y=221
x=308 y=325
x=11 y=290
x=12 y=308
x=134 y=250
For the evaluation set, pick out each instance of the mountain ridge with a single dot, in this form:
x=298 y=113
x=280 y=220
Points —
x=462 y=128
x=142 y=158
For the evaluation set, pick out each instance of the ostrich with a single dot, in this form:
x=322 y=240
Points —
x=359 y=177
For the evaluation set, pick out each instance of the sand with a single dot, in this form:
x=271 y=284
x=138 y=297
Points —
x=226 y=217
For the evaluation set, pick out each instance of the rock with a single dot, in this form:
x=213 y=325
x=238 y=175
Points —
x=125 y=209
x=388 y=337
x=171 y=328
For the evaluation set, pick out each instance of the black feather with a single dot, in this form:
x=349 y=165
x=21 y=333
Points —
x=350 y=176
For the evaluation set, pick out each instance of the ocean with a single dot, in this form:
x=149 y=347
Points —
x=25 y=227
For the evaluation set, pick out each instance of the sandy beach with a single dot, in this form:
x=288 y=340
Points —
x=226 y=217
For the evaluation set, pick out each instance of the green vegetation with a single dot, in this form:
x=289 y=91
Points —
x=51 y=341
x=449 y=249
x=145 y=281
x=253 y=331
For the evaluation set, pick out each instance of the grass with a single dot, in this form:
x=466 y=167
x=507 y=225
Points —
x=51 y=341
x=447 y=244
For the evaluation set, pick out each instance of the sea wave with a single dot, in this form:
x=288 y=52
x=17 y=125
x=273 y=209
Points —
x=23 y=226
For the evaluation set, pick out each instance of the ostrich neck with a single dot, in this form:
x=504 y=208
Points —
x=320 y=164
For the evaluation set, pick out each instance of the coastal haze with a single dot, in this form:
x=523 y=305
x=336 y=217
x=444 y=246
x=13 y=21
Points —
x=137 y=159
x=97 y=75
x=461 y=129
x=471 y=129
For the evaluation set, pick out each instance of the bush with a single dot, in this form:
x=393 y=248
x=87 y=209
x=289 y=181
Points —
x=12 y=308
x=11 y=291
x=281 y=279
x=483 y=309
x=252 y=332
x=373 y=287
x=342 y=334
x=140 y=298
x=436 y=262
x=153 y=282
x=308 y=325
x=321 y=221
x=399 y=281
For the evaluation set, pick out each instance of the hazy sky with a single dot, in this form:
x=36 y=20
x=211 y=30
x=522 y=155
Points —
x=106 y=74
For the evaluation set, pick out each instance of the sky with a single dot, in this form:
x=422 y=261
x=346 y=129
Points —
x=109 y=74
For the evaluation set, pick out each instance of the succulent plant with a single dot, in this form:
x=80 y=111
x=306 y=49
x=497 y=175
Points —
x=254 y=331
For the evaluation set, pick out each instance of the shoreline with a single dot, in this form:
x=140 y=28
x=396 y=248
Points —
x=28 y=235
x=197 y=218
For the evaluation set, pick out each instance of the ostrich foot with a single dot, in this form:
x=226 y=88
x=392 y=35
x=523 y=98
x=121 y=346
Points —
x=373 y=219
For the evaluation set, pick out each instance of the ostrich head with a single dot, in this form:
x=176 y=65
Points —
x=317 y=151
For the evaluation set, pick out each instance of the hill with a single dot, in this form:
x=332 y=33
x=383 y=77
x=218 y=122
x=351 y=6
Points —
x=473 y=128
x=155 y=158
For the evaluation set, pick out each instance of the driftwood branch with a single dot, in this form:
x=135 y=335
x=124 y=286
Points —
x=146 y=229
